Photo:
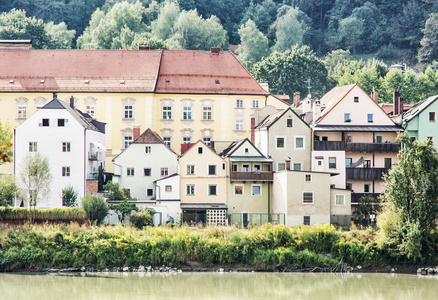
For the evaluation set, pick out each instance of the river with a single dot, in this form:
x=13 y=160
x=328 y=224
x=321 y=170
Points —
x=276 y=286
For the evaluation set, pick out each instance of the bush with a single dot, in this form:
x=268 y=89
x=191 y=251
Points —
x=69 y=196
x=95 y=207
x=43 y=215
x=8 y=189
x=141 y=218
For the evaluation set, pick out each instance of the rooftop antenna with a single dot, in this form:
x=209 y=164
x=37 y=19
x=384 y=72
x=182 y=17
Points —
x=308 y=87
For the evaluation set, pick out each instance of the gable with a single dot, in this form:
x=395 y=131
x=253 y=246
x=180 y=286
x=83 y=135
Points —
x=193 y=155
x=246 y=149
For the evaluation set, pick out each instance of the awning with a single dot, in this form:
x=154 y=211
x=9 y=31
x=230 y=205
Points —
x=99 y=146
x=203 y=206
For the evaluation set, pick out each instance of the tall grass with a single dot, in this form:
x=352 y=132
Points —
x=50 y=214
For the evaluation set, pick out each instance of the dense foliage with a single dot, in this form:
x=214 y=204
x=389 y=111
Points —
x=141 y=218
x=42 y=215
x=69 y=196
x=95 y=207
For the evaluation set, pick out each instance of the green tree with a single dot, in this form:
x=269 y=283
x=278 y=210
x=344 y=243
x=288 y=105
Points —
x=8 y=189
x=5 y=142
x=366 y=206
x=60 y=37
x=411 y=197
x=123 y=209
x=287 y=72
x=95 y=207
x=35 y=178
x=350 y=33
x=115 y=193
x=161 y=28
x=253 y=44
x=429 y=43
x=69 y=196
x=290 y=30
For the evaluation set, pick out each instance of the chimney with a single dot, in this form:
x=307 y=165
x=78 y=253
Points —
x=212 y=145
x=316 y=110
x=401 y=105
x=136 y=131
x=288 y=163
x=375 y=96
x=215 y=50
x=72 y=101
x=253 y=130
x=395 y=103
x=307 y=105
x=297 y=99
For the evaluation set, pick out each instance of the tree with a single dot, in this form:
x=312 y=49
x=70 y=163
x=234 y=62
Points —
x=290 y=30
x=253 y=44
x=161 y=28
x=8 y=189
x=287 y=72
x=366 y=206
x=95 y=207
x=123 y=209
x=429 y=43
x=406 y=26
x=60 y=37
x=5 y=142
x=69 y=196
x=115 y=193
x=35 y=177
x=411 y=197
x=350 y=33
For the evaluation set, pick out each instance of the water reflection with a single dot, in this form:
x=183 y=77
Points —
x=217 y=286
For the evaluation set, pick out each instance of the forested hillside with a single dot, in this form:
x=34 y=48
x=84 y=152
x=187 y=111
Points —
x=272 y=34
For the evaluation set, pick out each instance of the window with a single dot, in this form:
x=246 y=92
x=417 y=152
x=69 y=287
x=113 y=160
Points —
x=256 y=190
x=187 y=140
x=349 y=138
x=187 y=113
x=289 y=122
x=239 y=125
x=349 y=186
x=168 y=141
x=339 y=200
x=235 y=168
x=430 y=138
x=366 y=188
x=413 y=138
x=46 y=122
x=190 y=189
x=238 y=190
x=65 y=171
x=245 y=168
x=128 y=141
x=190 y=169
x=256 y=168
x=431 y=116
x=306 y=220
x=297 y=166
x=147 y=149
x=370 y=118
x=281 y=166
x=211 y=169
x=149 y=192
x=168 y=188
x=299 y=142
x=128 y=112
x=348 y=162
x=255 y=103
x=324 y=138
x=246 y=150
x=239 y=103
x=61 y=122
x=347 y=118
x=147 y=171
x=332 y=162
x=319 y=163
x=129 y=171
x=308 y=177
x=207 y=141
x=65 y=146
x=379 y=139
x=167 y=113
x=33 y=147
x=90 y=109
x=164 y=172
x=21 y=111
x=200 y=150
x=280 y=143
x=356 y=99
x=212 y=189
x=388 y=162
x=206 y=113
x=223 y=166
x=308 y=197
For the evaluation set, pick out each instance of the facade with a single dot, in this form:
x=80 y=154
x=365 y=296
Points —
x=73 y=144
x=420 y=121
x=167 y=193
x=182 y=95
x=203 y=185
x=249 y=183
x=306 y=199
x=284 y=136
x=347 y=121
x=143 y=162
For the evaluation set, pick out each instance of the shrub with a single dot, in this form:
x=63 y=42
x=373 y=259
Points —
x=141 y=218
x=8 y=189
x=69 y=196
x=47 y=214
x=123 y=209
x=95 y=206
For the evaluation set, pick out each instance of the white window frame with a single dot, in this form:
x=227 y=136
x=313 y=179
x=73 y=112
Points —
x=255 y=103
x=381 y=139
x=127 y=141
x=33 y=146
x=166 y=112
x=186 y=139
x=207 y=141
x=207 y=113
x=291 y=122
x=209 y=191
x=304 y=143
x=336 y=200
x=164 y=171
x=252 y=189
x=276 y=143
x=283 y=166
x=234 y=189
x=239 y=103
x=22 y=111
x=370 y=120
x=168 y=141
x=130 y=172
x=187 y=113
x=307 y=177
x=215 y=169
x=147 y=192
x=168 y=188
x=304 y=222
x=66 y=146
x=347 y=118
x=144 y=172
x=307 y=201
x=239 y=125
x=192 y=191
x=91 y=110
x=369 y=188
x=297 y=163
x=66 y=171
x=128 y=111
x=434 y=116
x=147 y=150
x=192 y=170
x=334 y=163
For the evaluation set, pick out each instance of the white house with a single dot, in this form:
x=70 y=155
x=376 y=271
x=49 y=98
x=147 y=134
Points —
x=73 y=143
x=168 y=197
x=144 y=161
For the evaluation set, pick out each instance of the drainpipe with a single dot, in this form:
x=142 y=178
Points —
x=85 y=162
x=269 y=202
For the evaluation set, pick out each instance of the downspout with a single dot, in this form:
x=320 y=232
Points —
x=14 y=158
x=269 y=202
x=85 y=161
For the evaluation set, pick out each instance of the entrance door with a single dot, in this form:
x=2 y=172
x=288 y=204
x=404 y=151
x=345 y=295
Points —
x=245 y=219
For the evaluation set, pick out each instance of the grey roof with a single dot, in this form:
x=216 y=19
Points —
x=203 y=206
x=383 y=128
x=418 y=108
x=271 y=119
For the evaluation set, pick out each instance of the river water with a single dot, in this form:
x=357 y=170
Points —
x=276 y=286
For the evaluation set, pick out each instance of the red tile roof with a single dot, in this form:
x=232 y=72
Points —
x=203 y=72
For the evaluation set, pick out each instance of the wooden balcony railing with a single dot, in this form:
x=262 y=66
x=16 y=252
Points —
x=366 y=173
x=356 y=196
x=252 y=176
x=355 y=147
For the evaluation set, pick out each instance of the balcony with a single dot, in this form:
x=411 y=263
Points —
x=366 y=173
x=252 y=176
x=355 y=147
x=92 y=156
x=356 y=196
x=92 y=176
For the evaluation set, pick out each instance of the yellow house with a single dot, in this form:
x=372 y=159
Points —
x=183 y=95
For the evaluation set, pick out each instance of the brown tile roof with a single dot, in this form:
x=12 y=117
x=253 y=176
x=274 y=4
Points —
x=79 y=70
x=148 y=137
x=203 y=72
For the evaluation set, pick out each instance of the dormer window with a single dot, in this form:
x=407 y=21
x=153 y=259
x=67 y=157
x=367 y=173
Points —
x=246 y=150
x=356 y=99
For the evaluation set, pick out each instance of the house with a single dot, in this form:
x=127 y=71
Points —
x=168 y=196
x=203 y=185
x=306 y=198
x=420 y=121
x=72 y=141
x=142 y=163
x=284 y=136
x=354 y=137
x=250 y=178
x=183 y=95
